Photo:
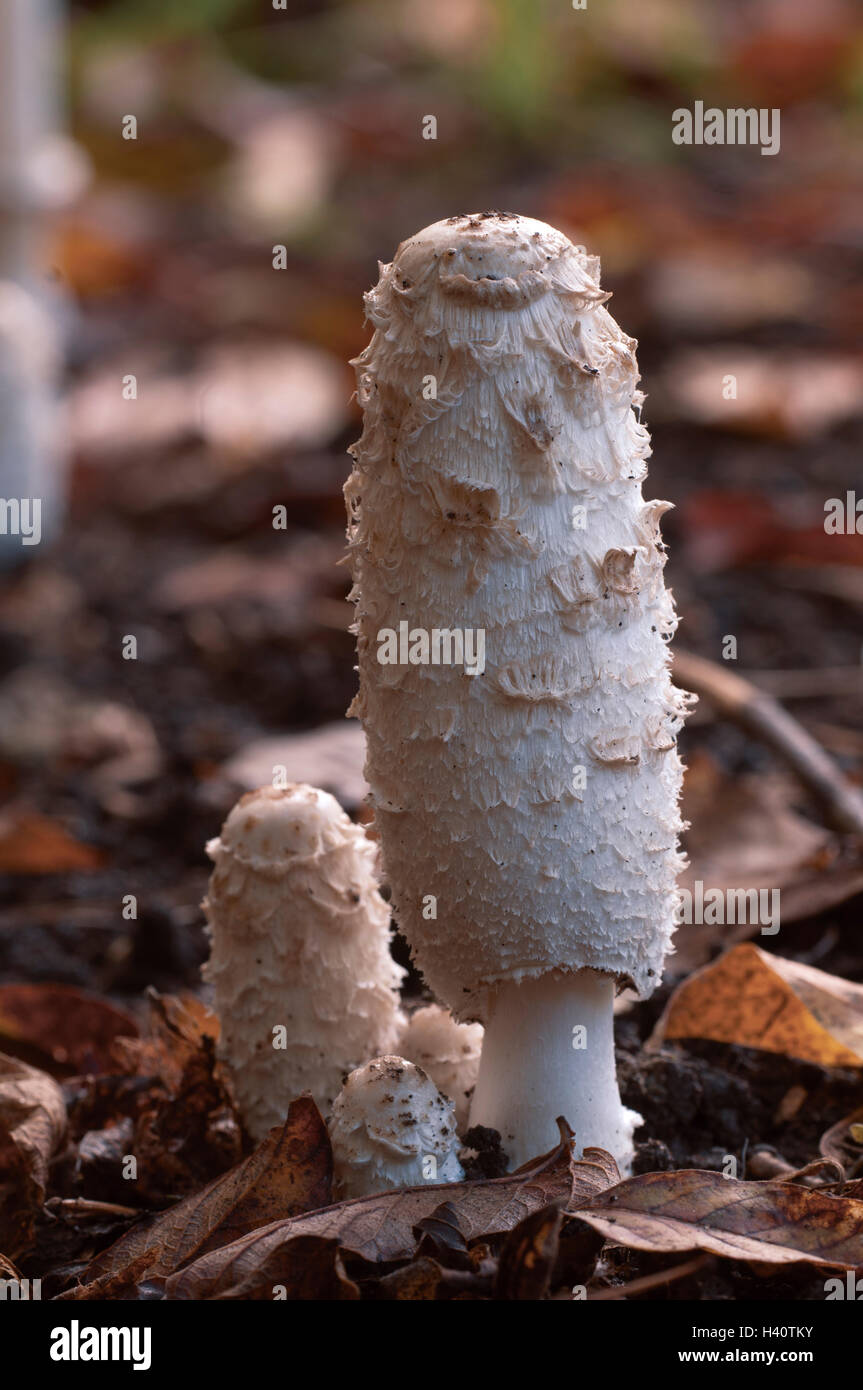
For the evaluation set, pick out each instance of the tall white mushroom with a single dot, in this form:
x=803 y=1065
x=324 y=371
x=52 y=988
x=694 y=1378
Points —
x=305 y=986
x=527 y=798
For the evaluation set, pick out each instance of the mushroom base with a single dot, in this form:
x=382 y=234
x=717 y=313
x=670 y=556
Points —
x=548 y=1050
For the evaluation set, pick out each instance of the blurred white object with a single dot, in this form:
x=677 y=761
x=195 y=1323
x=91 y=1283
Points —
x=32 y=483
x=39 y=171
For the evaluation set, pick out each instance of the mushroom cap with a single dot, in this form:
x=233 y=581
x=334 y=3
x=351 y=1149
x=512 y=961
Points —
x=448 y=1051
x=435 y=1035
x=274 y=825
x=486 y=249
x=386 y=1121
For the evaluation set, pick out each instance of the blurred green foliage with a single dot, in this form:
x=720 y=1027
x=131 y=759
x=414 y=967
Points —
x=160 y=19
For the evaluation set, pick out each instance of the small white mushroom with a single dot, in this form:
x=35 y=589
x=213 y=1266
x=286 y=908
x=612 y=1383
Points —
x=448 y=1051
x=305 y=986
x=391 y=1127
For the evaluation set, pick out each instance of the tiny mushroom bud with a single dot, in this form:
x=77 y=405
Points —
x=448 y=1051
x=391 y=1127
x=512 y=627
x=305 y=987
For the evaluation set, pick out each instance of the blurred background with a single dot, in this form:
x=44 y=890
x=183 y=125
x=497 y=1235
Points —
x=205 y=268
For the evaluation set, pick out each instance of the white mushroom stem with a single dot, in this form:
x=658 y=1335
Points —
x=548 y=1050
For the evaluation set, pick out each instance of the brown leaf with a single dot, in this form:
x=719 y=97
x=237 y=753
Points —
x=73 y=1032
x=773 y=1223
x=380 y=1229
x=425 y=1280
x=725 y=529
x=440 y=1234
x=186 y=1130
x=176 y=1028
x=841 y=1144
x=33 y=844
x=421 y=1281
x=754 y=999
x=8 y=1270
x=20 y=1196
x=528 y=1257
x=32 y=1126
x=308 y=1269
x=290 y=1172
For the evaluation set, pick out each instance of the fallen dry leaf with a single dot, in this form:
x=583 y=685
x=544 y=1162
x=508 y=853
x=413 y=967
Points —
x=176 y=1027
x=720 y=530
x=774 y=1223
x=783 y=395
x=729 y=288
x=309 y=1269
x=843 y=1143
x=242 y=399
x=381 y=1228
x=63 y=1029
x=422 y=1281
x=32 y=1126
x=528 y=1257
x=288 y=1173
x=8 y=1270
x=754 y=999
x=331 y=757
x=33 y=844
x=186 y=1129
x=455 y=1275
x=251 y=398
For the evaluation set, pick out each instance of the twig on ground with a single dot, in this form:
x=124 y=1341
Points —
x=763 y=717
x=652 y=1281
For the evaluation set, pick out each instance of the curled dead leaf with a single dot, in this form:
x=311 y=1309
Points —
x=773 y=1223
x=381 y=1228
x=843 y=1143
x=528 y=1257
x=33 y=844
x=32 y=1127
x=67 y=1030
x=288 y=1173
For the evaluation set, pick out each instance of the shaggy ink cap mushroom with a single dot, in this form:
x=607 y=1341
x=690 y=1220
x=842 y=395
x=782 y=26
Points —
x=497 y=489
x=305 y=986
x=391 y=1127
